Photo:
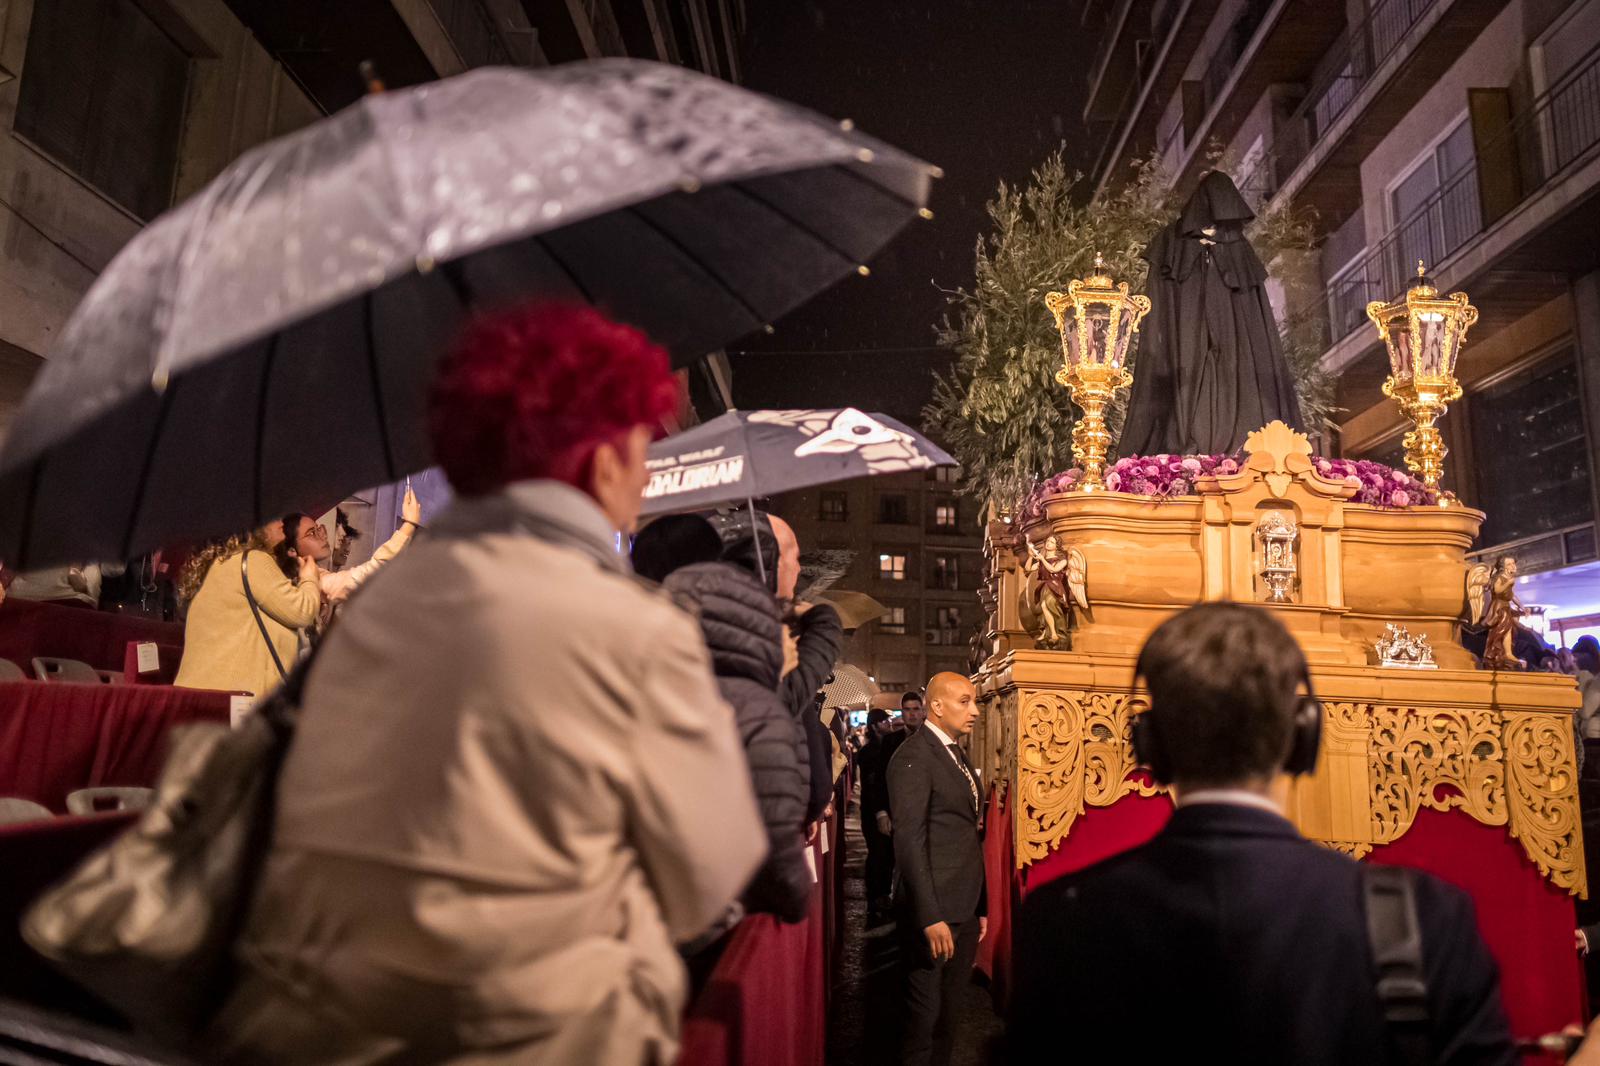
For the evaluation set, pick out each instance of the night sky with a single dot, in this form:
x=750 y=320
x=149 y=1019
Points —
x=983 y=88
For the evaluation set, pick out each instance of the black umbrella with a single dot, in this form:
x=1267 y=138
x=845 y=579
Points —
x=271 y=340
x=744 y=454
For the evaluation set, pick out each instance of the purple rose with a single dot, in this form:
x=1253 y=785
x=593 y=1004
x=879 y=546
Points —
x=1228 y=466
x=1113 y=481
x=1179 y=487
x=1401 y=498
x=1142 y=487
x=1404 y=479
x=1152 y=471
x=1192 y=465
x=1163 y=457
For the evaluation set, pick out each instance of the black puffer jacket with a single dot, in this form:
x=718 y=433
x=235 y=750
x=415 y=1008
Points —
x=740 y=622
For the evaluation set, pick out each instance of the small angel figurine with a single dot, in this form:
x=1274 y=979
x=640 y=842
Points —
x=1492 y=602
x=1056 y=580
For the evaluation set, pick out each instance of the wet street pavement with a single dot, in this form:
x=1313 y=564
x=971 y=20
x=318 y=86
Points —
x=866 y=997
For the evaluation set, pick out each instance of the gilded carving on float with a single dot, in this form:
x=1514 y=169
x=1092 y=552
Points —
x=1436 y=759
x=1075 y=752
x=1514 y=769
x=1544 y=799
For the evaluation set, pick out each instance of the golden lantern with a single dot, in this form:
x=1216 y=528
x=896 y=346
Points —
x=1094 y=346
x=1424 y=333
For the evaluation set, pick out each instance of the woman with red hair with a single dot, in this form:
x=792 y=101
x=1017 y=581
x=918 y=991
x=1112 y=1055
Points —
x=514 y=786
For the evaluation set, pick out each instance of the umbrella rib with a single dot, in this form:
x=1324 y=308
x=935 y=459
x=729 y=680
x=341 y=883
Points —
x=368 y=314
x=796 y=223
x=869 y=183
x=572 y=275
x=261 y=421
x=683 y=250
x=145 y=467
x=25 y=542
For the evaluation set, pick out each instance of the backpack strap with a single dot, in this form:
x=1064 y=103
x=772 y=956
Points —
x=1395 y=935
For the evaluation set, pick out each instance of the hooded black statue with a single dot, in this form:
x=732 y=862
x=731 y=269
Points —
x=1211 y=368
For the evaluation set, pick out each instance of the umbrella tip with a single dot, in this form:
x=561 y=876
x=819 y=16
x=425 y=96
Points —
x=160 y=380
x=864 y=270
x=768 y=329
x=846 y=125
x=689 y=184
x=865 y=155
x=924 y=213
x=935 y=172
x=370 y=78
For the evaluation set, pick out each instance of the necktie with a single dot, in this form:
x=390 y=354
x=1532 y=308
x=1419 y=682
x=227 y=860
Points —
x=966 y=771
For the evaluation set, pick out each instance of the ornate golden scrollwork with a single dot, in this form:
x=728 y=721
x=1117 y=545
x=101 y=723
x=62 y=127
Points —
x=1544 y=807
x=1354 y=849
x=1434 y=758
x=1075 y=751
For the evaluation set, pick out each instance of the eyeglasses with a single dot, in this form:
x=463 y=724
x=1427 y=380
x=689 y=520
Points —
x=317 y=532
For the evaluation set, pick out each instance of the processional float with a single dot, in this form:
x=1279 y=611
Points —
x=1374 y=582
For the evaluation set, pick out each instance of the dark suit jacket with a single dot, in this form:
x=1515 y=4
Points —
x=1232 y=938
x=937 y=850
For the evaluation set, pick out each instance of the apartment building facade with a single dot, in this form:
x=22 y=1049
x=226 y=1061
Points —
x=1462 y=133
x=918 y=549
x=111 y=111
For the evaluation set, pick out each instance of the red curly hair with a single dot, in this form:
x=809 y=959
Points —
x=531 y=393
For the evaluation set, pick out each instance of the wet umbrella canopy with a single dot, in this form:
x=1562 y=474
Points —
x=1211 y=368
x=744 y=454
x=272 y=339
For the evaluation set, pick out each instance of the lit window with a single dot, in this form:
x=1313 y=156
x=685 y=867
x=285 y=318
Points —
x=892 y=567
x=893 y=620
x=944 y=516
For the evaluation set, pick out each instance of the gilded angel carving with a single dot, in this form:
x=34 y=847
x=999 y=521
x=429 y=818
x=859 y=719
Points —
x=1501 y=617
x=1057 y=581
x=1477 y=594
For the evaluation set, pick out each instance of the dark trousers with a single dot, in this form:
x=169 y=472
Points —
x=880 y=861
x=934 y=992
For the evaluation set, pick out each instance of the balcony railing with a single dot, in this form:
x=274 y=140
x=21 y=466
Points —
x=1350 y=67
x=1561 y=126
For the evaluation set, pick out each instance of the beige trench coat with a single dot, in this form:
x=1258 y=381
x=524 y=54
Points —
x=514 y=787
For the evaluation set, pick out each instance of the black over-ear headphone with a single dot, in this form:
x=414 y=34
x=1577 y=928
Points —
x=1305 y=741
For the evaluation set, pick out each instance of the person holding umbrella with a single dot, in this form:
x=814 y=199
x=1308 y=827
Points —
x=508 y=795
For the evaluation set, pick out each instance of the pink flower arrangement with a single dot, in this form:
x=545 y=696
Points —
x=1166 y=476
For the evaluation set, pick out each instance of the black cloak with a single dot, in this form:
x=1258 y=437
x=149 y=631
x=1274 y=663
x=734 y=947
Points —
x=1211 y=368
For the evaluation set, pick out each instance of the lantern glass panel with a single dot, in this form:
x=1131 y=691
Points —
x=1400 y=351
x=1431 y=333
x=1099 y=320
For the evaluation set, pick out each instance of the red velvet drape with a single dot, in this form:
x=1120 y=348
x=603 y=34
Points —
x=56 y=738
x=1526 y=921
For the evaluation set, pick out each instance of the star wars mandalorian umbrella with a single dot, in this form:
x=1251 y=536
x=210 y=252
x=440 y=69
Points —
x=741 y=455
x=271 y=340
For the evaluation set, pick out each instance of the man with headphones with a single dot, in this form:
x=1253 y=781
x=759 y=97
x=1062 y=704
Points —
x=1229 y=936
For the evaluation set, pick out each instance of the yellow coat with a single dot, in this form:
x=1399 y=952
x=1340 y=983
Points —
x=222 y=646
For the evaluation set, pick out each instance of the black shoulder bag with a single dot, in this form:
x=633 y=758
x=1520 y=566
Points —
x=255 y=609
x=1395 y=935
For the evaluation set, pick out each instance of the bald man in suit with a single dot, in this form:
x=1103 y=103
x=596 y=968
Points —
x=935 y=801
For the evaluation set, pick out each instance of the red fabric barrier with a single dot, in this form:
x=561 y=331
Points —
x=34 y=856
x=99 y=638
x=56 y=738
x=765 y=1003
x=994 y=952
x=1526 y=921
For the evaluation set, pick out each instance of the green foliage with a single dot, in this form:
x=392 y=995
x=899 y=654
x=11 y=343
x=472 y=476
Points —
x=999 y=409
